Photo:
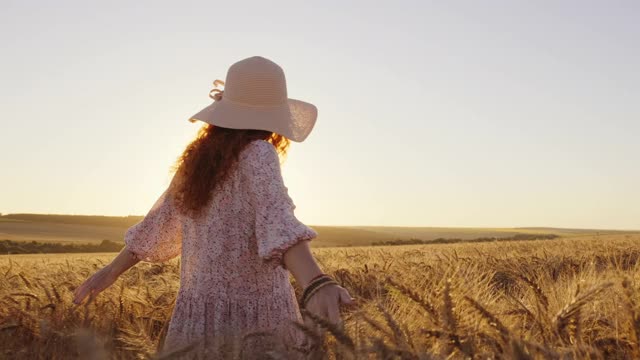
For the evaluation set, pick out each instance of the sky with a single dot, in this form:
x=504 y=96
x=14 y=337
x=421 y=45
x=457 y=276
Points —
x=449 y=113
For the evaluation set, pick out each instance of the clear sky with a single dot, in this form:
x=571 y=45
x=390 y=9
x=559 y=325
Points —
x=465 y=113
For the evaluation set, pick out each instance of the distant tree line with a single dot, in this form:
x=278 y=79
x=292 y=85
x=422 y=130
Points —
x=34 y=247
x=96 y=220
x=22 y=247
x=415 y=241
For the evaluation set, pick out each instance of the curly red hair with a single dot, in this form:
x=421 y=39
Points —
x=207 y=161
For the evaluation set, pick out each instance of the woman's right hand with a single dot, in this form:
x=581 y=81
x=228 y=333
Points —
x=326 y=303
x=95 y=284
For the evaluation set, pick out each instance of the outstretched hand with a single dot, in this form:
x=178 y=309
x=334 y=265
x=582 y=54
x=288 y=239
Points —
x=95 y=284
x=326 y=303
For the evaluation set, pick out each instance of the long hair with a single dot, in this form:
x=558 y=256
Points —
x=207 y=161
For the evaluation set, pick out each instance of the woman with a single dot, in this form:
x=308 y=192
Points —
x=228 y=214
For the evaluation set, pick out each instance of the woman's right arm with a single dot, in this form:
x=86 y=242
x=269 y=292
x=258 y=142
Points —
x=300 y=262
x=282 y=239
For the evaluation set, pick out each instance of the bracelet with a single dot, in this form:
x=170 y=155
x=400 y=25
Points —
x=313 y=286
x=316 y=277
x=315 y=283
x=315 y=290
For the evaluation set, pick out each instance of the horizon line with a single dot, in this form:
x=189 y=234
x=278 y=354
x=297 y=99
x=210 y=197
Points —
x=367 y=226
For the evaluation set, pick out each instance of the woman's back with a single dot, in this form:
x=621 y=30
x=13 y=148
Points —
x=232 y=274
x=234 y=240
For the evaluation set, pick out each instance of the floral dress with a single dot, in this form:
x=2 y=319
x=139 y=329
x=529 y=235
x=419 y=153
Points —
x=233 y=280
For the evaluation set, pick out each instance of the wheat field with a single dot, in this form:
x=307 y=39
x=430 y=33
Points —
x=572 y=298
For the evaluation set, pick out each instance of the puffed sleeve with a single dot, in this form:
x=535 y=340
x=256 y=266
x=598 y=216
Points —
x=276 y=227
x=158 y=236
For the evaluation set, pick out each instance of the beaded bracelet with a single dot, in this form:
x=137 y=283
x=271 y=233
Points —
x=316 y=277
x=315 y=290
x=314 y=286
x=315 y=283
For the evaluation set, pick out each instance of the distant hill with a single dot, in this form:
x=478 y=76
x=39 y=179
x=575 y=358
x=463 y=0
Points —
x=574 y=231
x=94 y=229
x=431 y=233
x=94 y=220
x=89 y=229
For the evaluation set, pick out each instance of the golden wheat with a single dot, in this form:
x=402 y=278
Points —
x=569 y=299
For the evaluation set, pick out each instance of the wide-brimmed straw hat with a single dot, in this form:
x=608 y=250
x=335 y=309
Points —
x=255 y=97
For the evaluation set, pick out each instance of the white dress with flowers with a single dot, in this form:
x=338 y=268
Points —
x=232 y=277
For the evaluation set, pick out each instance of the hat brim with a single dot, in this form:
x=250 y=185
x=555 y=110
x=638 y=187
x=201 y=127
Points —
x=294 y=120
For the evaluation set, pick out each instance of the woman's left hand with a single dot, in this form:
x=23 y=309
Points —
x=99 y=281
x=326 y=303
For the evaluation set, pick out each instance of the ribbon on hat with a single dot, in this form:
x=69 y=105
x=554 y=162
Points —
x=215 y=93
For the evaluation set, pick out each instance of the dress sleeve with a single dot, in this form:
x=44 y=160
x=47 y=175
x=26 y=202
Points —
x=276 y=227
x=158 y=236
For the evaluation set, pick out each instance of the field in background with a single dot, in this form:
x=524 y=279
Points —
x=95 y=229
x=570 y=298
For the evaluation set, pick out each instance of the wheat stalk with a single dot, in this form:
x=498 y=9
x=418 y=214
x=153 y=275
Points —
x=334 y=329
x=561 y=319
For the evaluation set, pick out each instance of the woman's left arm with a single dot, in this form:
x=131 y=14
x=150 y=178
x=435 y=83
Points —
x=106 y=276
x=156 y=238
